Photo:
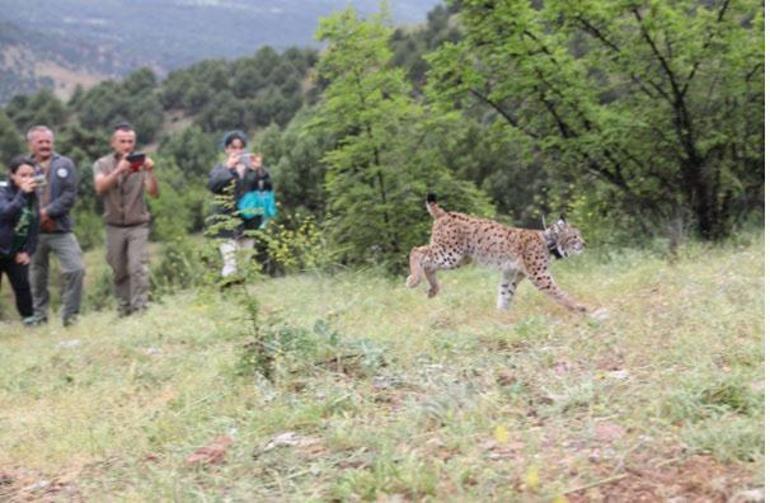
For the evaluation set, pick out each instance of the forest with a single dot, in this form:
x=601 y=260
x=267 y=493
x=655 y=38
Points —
x=643 y=123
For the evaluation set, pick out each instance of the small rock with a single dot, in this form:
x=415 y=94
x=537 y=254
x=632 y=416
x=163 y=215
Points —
x=748 y=496
x=506 y=377
x=70 y=344
x=561 y=367
x=42 y=484
x=621 y=375
x=285 y=439
x=213 y=453
x=609 y=432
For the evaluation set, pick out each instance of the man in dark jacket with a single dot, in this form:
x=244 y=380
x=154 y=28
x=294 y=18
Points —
x=56 y=199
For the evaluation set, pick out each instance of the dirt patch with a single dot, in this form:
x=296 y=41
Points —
x=696 y=479
x=19 y=484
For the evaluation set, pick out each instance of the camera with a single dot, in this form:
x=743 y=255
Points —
x=246 y=159
x=40 y=180
x=136 y=160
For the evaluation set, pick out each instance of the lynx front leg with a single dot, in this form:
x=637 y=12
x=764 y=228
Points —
x=544 y=282
x=508 y=284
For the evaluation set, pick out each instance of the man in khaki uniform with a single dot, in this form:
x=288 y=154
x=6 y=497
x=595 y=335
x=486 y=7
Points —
x=127 y=218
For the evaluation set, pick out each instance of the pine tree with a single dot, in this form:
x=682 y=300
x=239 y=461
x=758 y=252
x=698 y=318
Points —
x=382 y=164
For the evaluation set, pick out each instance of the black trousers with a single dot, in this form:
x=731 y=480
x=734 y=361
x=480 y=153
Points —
x=18 y=275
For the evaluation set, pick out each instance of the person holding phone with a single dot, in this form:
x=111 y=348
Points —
x=123 y=182
x=19 y=231
x=240 y=173
x=56 y=193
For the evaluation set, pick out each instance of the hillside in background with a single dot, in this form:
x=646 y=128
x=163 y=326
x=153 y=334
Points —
x=32 y=59
x=60 y=43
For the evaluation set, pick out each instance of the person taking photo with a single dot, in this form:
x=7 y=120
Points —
x=18 y=231
x=239 y=175
x=122 y=179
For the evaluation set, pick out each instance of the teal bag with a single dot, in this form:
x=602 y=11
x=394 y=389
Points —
x=258 y=202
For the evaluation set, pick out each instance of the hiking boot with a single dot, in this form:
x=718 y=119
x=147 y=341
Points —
x=70 y=320
x=230 y=281
x=35 y=320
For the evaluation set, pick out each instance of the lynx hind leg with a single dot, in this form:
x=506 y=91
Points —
x=544 y=282
x=428 y=260
x=430 y=275
x=420 y=265
x=416 y=271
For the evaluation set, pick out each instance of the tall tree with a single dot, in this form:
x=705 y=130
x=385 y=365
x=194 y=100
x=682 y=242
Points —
x=660 y=103
x=11 y=142
x=378 y=172
x=40 y=108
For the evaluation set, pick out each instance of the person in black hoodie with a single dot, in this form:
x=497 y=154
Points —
x=18 y=231
x=240 y=173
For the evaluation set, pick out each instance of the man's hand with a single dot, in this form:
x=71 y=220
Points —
x=256 y=162
x=46 y=222
x=104 y=182
x=22 y=258
x=148 y=165
x=233 y=160
x=123 y=166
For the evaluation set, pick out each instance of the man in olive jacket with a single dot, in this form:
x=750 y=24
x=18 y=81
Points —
x=122 y=186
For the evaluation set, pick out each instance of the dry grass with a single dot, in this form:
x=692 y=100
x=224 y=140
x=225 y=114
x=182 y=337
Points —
x=448 y=398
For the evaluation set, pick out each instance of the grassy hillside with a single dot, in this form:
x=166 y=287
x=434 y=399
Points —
x=380 y=393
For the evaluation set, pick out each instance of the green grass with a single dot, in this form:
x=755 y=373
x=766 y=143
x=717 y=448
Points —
x=394 y=394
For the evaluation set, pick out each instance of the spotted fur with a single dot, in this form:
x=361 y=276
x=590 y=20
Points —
x=458 y=239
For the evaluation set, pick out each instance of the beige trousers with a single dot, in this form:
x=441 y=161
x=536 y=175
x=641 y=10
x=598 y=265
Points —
x=229 y=250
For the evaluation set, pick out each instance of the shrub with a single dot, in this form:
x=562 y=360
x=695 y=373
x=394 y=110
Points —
x=279 y=349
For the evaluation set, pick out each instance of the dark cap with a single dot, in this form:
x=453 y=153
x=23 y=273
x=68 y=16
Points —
x=230 y=136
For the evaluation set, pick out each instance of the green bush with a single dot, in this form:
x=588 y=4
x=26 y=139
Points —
x=89 y=228
x=99 y=294
x=278 y=349
x=182 y=264
x=292 y=245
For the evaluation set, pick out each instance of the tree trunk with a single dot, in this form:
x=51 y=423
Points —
x=704 y=201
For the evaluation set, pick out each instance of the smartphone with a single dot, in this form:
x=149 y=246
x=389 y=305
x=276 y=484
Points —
x=245 y=160
x=136 y=159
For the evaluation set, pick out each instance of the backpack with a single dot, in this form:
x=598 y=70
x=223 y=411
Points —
x=258 y=203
